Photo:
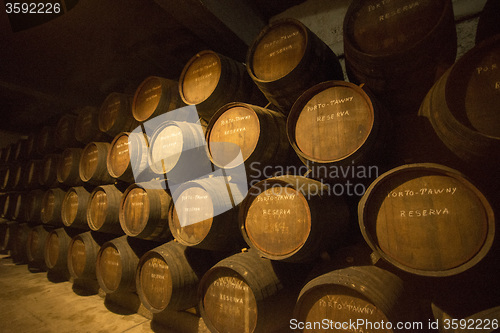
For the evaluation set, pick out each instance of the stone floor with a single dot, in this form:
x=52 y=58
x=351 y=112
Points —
x=29 y=302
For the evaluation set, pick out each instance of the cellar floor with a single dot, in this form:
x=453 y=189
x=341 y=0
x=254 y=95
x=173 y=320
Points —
x=29 y=302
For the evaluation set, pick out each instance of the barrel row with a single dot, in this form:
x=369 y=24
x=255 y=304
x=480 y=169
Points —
x=242 y=292
x=384 y=214
x=283 y=218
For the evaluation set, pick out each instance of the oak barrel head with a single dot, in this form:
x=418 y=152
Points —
x=45 y=143
x=87 y=126
x=292 y=218
x=362 y=294
x=278 y=51
x=398 y=49
x=118 y=159
x=109 y=268
x=155 y=96
x=335 y=123
x=166 y=149
x=127 y=158
x=48 y=174
x=286 y=59
x=103 y=209
x=34 y=205
x=70 y=207
x=144 y=210
x=472 y=90
x=154 y=282
x=37 y=239
x=247 y=293
x=77 y=258
x=74 y=208
x=229 y=303
x=115 y=114
x=64 y=133
x=200 y=77
x=196 y=205
x=204 y=213
x=20 y=241
x=117 y=262
x=269 y=225
x=68 y=170
x=427 y=219
x=235 y=130
x=385 y=28
x=34 y=169
x=93 y=164
x=97 y=209
x=56 y=250
x=175 y=145
x=51 y=206
x=89 y=162
x=135 y=211
x=52 y=250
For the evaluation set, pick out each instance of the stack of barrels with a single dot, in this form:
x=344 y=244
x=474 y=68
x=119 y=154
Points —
x=236 y=189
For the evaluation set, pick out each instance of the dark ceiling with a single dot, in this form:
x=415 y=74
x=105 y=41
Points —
x=102 y=46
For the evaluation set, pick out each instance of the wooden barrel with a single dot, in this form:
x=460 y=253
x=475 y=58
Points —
x=210 y=80
x=286 y=59
x=462 y=106
x=284 y=218
x=64 y=133
x=4 y=171
x=82 y=254
x=87 y=126
x=20 y=201
x=336 y=124
x=127 y=158
x=155 y=96
x=51 y=206
x=168 y=276
x=398 y=49
x=34 y=206
x=56 y=251
x=34 y=170
x=74 y=208
x=31 y=146
x=20 y=240
x=144 y=211
x=35 y=249
x=19 y=176
x=115 y=114
x=487 y=26
x=93 y=168
x=427 y=219
x=358 y=293
x=48 y=170
x=9 y=205
x=7 y=153
x=8 y=177
x=117 y=262
x=45 y=141
x=68 y=170
x=103 y=209
x=246 y=293
x=3 y=197
x=7 y=232
x=204 y=214
x=178 y=149
x=258 y=134
x=20 y=153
